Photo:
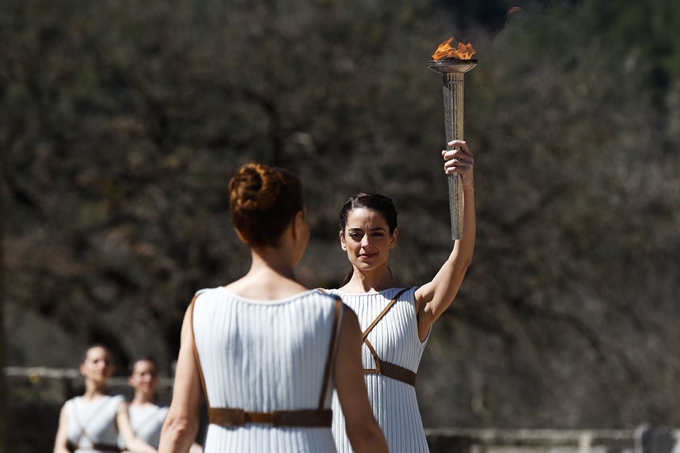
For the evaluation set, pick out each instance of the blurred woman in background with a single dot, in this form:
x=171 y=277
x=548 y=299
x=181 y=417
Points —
x=146 y=416
x=93 y=421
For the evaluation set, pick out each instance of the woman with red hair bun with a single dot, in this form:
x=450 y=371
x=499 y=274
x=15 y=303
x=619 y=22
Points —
x=267 y=351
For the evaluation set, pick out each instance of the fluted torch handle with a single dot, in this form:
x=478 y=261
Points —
x=453 y=120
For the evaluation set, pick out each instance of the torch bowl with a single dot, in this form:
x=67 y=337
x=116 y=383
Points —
x=449 y=65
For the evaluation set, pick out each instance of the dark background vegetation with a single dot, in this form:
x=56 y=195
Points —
x=122 y=120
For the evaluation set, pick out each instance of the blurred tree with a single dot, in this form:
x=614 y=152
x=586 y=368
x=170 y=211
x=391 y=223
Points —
x=119 y=116
x=121 y=122
x=3 y=387
x=574 y=235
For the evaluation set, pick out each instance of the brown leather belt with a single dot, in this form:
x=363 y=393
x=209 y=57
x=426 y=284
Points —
x=312 y=418
x=393 y=371
x=94 y=447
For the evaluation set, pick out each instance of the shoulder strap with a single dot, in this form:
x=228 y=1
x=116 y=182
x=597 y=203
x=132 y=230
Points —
x=331 y=352
x=383 y=313
x=322 y=291
x=190 y=312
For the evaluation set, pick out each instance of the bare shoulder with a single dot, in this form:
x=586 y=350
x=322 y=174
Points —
x=348 y=313
x=350 y=321
x=123 y=406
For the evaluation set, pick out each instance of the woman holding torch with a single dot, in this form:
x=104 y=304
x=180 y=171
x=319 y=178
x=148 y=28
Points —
x=395 y=321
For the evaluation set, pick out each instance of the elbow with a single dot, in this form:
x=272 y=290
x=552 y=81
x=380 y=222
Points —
x=460 y=259
x=461 y=265
x=177 y=432
x=181 y=427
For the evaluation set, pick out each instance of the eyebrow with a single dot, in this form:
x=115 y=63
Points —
x=372 y=229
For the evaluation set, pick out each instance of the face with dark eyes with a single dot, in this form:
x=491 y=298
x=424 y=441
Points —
x=97 y=365
x=144 y=377
x=367 y=239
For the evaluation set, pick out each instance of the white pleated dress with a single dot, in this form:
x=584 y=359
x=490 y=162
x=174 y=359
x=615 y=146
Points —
x=262 y=356
x=395 y=339
x=92 y=423
x=146 y=422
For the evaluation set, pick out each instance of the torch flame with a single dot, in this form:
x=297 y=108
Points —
x=462 y=52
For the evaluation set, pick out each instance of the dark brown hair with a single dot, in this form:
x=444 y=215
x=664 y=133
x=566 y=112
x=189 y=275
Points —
x=109 y=354
x=264 y=200
x=151 y=360
x=374 y=202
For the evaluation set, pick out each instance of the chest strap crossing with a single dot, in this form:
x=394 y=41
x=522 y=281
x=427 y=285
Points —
x=305 y=418
x=83 y=433
x=383 y=367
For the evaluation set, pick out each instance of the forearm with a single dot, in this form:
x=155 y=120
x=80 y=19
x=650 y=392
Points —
x=132 y=442
x=367 y=438
x=449 y=278
x=463 y=249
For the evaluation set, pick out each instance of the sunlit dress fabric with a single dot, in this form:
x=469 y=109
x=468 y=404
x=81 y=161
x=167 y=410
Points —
x=146 y=422
x=395 y=339
x=262 y=356
x=92 y=422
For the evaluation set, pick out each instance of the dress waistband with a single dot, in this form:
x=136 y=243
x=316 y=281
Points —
x=309 y=418
x=94 y=447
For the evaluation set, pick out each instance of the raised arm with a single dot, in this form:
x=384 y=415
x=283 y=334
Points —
x=132 y=442
x=181 y=424
x=363 y=430
x=433 y=298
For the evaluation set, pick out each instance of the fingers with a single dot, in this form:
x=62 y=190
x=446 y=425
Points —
x=453 y=144
x=456 y=149
x=458 y=158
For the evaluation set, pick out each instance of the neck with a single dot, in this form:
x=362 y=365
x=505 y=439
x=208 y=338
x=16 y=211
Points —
x=94 y=389
x=272 y=261
x=142 y=398
x=367 y=281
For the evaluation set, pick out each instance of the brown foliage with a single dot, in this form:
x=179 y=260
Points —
x=121 y=123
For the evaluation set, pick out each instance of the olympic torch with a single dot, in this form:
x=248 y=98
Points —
x=452 y=63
